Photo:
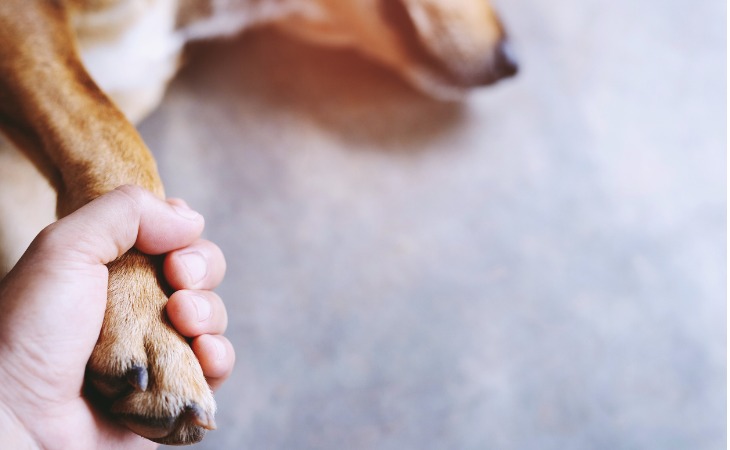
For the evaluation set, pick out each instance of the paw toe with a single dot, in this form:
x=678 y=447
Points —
x=188 y=427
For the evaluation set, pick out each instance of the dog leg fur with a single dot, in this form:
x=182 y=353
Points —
x=53 y=112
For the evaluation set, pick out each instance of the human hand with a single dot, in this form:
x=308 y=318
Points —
x=52 y=306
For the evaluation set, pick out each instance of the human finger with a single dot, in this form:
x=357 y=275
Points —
x=200 y=265
x=108 y=226
x=197 y=312
x=216 y=356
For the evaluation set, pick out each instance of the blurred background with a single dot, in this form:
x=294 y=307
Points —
x=541 y=266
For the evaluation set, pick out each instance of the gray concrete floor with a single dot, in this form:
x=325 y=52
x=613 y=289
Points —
x=540 y=267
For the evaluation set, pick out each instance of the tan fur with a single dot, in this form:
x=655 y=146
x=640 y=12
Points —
x=80 y=138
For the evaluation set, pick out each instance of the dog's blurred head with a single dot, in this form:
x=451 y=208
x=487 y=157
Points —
x=443 y=47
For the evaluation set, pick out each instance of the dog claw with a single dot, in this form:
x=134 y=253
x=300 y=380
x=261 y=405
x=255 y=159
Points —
x=137 y=377
x=201 y=417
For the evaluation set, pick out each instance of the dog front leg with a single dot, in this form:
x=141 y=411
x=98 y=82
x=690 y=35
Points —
x=52 y=109
x=54 y=112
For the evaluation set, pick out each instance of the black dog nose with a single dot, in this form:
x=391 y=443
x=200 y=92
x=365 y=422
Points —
x=505 y=63
x=500 y=64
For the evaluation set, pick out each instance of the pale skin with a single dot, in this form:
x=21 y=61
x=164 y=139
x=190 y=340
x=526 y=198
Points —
x=52 y=305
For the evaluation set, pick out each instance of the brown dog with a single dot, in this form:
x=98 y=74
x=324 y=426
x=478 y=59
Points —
x=75 y=74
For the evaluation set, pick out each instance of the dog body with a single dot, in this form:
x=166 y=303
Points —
x=440 y=50
x=75 y=75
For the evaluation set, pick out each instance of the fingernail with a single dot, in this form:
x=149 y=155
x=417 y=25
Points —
x=186 y=212
x=195 y=265
x=202 y=307
x=220 y=350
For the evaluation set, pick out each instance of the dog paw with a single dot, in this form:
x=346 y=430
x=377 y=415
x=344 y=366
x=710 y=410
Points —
x=146 y=373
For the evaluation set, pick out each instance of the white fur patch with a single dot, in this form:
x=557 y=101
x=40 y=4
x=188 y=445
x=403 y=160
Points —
x=134 y=66
x=230 y=17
